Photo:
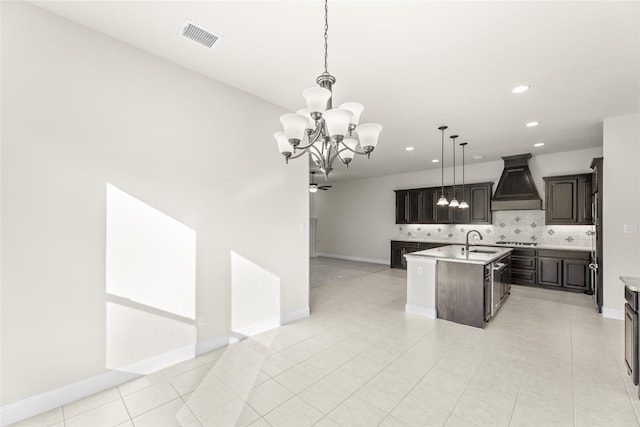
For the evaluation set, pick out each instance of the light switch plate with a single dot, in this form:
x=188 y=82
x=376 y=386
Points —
x=631 y=228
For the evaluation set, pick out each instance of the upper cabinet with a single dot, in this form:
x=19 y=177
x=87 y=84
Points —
x=568 y=199
x=419 y=206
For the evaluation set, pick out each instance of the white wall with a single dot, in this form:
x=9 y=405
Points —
x=621 y=178
x=80 y=110
x=356 y=218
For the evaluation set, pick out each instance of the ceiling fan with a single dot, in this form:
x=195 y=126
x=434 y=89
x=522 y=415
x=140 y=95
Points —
x=313 y=187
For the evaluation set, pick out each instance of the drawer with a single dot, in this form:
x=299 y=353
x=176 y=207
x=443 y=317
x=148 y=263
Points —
x=523 y=263
x=523 y=252
x=553 y=253
x=523 y=277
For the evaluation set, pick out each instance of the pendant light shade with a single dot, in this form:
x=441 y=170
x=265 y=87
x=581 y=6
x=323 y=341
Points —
x=317 y=99
x=443 y=200
x=463 y=203
x=454 y=202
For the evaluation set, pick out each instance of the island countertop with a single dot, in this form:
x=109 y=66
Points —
x=455 y=253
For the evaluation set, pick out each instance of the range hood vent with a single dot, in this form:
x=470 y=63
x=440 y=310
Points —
x=516 y=189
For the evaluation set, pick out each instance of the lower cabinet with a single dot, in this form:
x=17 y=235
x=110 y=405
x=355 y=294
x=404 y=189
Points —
x=400 y=248
x=551 y=268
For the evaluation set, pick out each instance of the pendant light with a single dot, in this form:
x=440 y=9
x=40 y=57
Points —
x=443 y=200
x=463 y=204
x=454 y=202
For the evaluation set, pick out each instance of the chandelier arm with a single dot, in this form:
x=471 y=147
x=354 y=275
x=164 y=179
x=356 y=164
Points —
x=317 y=154
x=353 y=151
x=299 y=154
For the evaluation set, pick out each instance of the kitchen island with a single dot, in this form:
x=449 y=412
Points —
x=451 y=283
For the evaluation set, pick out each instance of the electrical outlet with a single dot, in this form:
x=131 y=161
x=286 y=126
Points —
x=202 y=319
x=631 y=228
x=419 y=271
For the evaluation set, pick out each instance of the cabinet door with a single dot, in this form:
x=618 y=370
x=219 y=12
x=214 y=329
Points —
x=430 y=197
x=398 y=250
x=443 y=213
x=576 y=274
x=479 y=204
x=550 y=271
x=402 y=206
x=461 y=216
x=414 y=214
x=561 y=201
x=523 y=277
x=584 y=201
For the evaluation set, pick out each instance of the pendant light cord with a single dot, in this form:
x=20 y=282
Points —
x=454 y=166
x=326 y=36
x=442 y=128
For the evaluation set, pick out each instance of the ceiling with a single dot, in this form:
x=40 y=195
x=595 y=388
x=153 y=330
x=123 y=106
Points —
x=414 y=65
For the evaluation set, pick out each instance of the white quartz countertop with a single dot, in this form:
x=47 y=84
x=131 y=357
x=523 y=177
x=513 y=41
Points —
x=455 y=253
x=557 y=247
x=632 y=283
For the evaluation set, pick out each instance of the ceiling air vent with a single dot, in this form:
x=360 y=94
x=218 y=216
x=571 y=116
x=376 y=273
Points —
x=198 y=34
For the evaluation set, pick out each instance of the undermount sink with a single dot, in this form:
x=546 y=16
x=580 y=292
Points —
x=482 y=251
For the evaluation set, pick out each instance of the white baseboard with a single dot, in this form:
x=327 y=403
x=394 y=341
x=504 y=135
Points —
x=612 y=313
x=34 y=405
x=294 y=315
x=353 y=258
x=421 y=311
x=257 y=328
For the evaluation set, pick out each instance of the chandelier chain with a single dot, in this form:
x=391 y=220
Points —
x=326 y=36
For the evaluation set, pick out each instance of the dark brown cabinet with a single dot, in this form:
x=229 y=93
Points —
x=480 y=203
x=562 y=269
x=400 y=248
x=402 y=206
x=443 y=213
x=550 y=271
x=428 y=208
x=419 y=205
x=523 y=266
x=568 y=199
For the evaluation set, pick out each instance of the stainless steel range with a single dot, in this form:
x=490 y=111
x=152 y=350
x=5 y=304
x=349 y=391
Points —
x=517 y=243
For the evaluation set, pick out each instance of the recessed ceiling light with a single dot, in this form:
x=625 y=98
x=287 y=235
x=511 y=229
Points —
x=478 y=157
x=538 y=144
x=520 y=89
x=409 y=148
x=435 y=161
x=532 y=124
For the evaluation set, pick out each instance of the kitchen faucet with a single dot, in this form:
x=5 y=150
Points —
x=466 y=246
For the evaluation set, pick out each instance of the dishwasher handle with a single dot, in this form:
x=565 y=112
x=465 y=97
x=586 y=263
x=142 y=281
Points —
x=499 y=266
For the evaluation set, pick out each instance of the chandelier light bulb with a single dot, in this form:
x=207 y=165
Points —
x=346 y=154
x=294 y=125
x=356 y=109
x=317 y=99
x=337 y=121
x=369 y=134
x=311 y=124
x=283 y=145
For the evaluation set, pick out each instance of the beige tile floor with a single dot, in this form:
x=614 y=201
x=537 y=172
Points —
x=547 y=359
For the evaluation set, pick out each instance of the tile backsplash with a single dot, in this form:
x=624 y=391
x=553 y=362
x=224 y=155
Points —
x=512 y=226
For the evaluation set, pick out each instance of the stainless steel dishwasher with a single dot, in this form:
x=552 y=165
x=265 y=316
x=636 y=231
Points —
x=500 y=282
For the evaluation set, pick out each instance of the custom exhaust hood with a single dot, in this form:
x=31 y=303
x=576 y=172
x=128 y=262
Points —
x=516 y=189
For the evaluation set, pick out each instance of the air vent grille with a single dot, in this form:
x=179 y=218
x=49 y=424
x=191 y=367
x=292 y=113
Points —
x=198 y=34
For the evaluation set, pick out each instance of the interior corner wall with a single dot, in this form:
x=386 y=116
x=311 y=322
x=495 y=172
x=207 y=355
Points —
x=621 y=206
x=356 y=219
x=80 y=110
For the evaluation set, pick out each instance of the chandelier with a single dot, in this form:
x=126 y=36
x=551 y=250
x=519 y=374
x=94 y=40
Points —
x=326 y=133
